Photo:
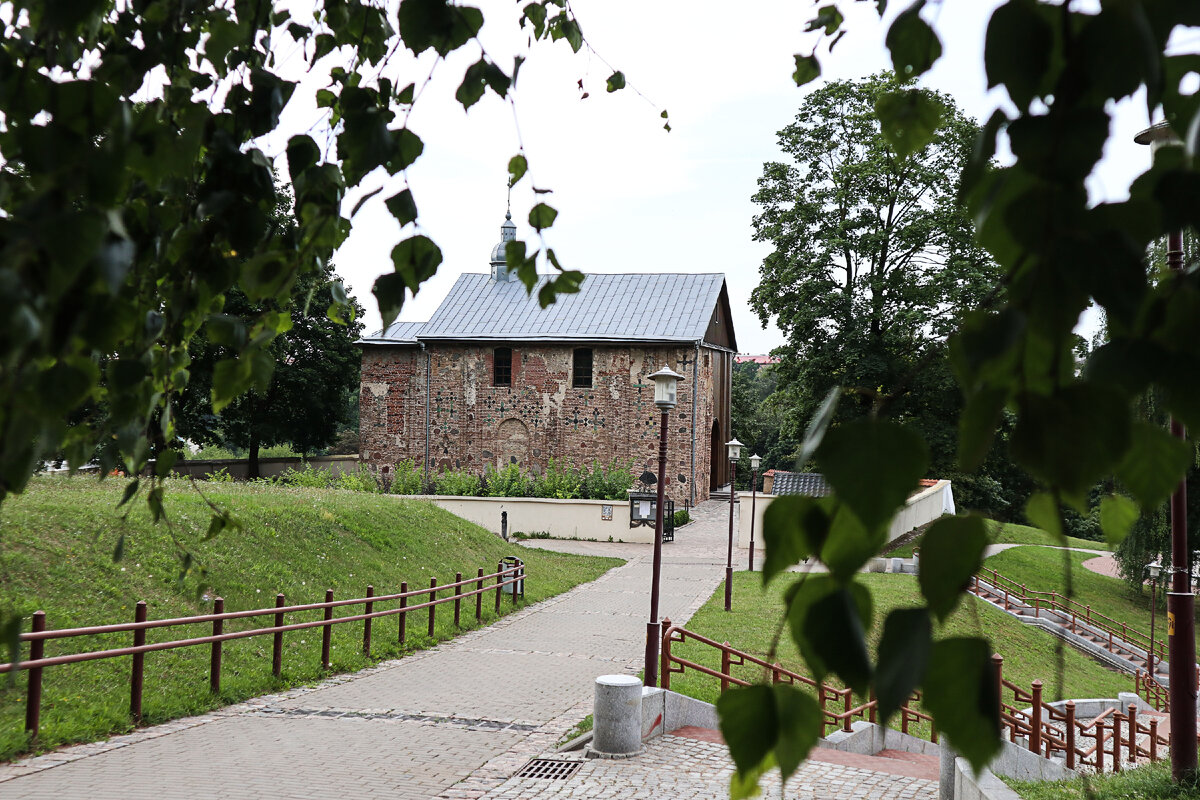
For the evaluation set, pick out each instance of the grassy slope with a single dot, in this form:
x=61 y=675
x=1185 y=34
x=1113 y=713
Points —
x=1009 y=533
x=1029 y=653
x=1147 y=782
x=1043 y=570
x=56 y=547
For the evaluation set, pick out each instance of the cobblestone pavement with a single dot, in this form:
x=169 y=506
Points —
x=457 y=721
x=687 y=769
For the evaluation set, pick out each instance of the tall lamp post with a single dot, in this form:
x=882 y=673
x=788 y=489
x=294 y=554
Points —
x=735 y=452
x=755 y=460
x=1153 y=569
x=665 y=382
x=1181 y=601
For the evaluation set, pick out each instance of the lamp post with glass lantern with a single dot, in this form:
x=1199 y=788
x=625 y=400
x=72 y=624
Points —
x=1154 y=569
x=755 y=460
x=1181 y=601
x=735 y=452
x=665 y=382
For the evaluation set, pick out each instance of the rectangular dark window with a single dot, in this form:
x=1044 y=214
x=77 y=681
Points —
x=581 y=368
x=502 y=366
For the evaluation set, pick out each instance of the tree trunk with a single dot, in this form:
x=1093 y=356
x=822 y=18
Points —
x=252 y=465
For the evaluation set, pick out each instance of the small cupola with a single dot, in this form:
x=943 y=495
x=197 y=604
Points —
x=508 y=232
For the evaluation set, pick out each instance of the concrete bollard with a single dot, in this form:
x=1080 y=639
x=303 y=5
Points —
x=617 y=715
x=946 y=758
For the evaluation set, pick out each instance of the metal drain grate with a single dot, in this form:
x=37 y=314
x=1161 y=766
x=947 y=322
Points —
x=549 y=769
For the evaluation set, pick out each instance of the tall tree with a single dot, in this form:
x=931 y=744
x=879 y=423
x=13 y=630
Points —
x=308 y=396
x=874 y=258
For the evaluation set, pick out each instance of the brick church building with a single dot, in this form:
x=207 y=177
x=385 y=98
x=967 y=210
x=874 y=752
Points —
x=493 y=379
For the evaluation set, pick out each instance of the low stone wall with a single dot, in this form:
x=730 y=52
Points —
x=267 y=467
x=922 y=508
x=562 y=519
x=985 y=786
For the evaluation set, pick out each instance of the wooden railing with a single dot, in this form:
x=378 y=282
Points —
x=836 y=703
x=510 y=574
x=1102 y=743
x=1010 y=590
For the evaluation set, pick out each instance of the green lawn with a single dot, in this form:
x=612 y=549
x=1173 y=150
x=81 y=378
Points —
x=1029 y=653
x=1147 y=782
x=1010 y=533
x=1043 y=570
x=56 y=554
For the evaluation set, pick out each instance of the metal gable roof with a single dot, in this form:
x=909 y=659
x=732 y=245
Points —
x=396 y=333
x=807 y=484
x=629 y=307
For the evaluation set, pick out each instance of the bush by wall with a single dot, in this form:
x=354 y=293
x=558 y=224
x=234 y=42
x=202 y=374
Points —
x=562 y=481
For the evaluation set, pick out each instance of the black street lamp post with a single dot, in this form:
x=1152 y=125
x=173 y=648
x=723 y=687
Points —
x=665 y=382
x=755 y=460
x=735 y=452
x=1181 y=601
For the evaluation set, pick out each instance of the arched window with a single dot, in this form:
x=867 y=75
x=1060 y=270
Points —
x=502 y=366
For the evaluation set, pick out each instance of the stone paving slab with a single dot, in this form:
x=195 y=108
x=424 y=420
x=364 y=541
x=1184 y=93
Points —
x=254 y=757
x=684 y=768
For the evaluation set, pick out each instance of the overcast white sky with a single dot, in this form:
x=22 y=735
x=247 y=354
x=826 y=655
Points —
x=632 y=197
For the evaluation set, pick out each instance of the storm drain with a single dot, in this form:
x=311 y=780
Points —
x=549 y=769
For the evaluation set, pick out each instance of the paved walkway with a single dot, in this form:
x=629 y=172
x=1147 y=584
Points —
x=456 y=721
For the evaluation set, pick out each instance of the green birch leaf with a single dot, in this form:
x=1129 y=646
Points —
x=913 y=44
x=801 y=725
x=1154 y=465
x=1018 y=49
x=903 y=656
x=951 y=552
x=909 y=118
x=872 y=466
x=402 y=207
x=1117 y=515
x=749 y=724
x=517 y=167
x=794 y=528
x=616 y=81
x=960 y=691
x=808 y=69
x=541 y=216
x=1042 y=511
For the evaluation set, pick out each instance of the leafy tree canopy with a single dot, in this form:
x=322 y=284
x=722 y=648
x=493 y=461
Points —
x=308 y=396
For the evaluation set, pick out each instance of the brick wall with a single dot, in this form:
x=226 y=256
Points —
x=473 y=424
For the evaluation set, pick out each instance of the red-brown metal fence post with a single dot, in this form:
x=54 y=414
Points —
x=277 y=644
x=218 y=627
x=479 y=595
x=664 y=669
x=1035 y=735
x=432 y=606
x=846 y=711
x=1099 y=746
x=1153 y=739
x=1133 y=733
x=403 y=614
x=724 y=666
x=457 y=596
x=33 y=699
x=139 y=661
x=1116 y=751
x=516 y=581
x=871 y=711
x=368 y=607
x=327 y=630
x=499 y=584
x=1070 y=734
x=998 y=667
x=776 y=675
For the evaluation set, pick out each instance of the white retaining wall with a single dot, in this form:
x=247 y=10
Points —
x=922 y=508
x=562 y=519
